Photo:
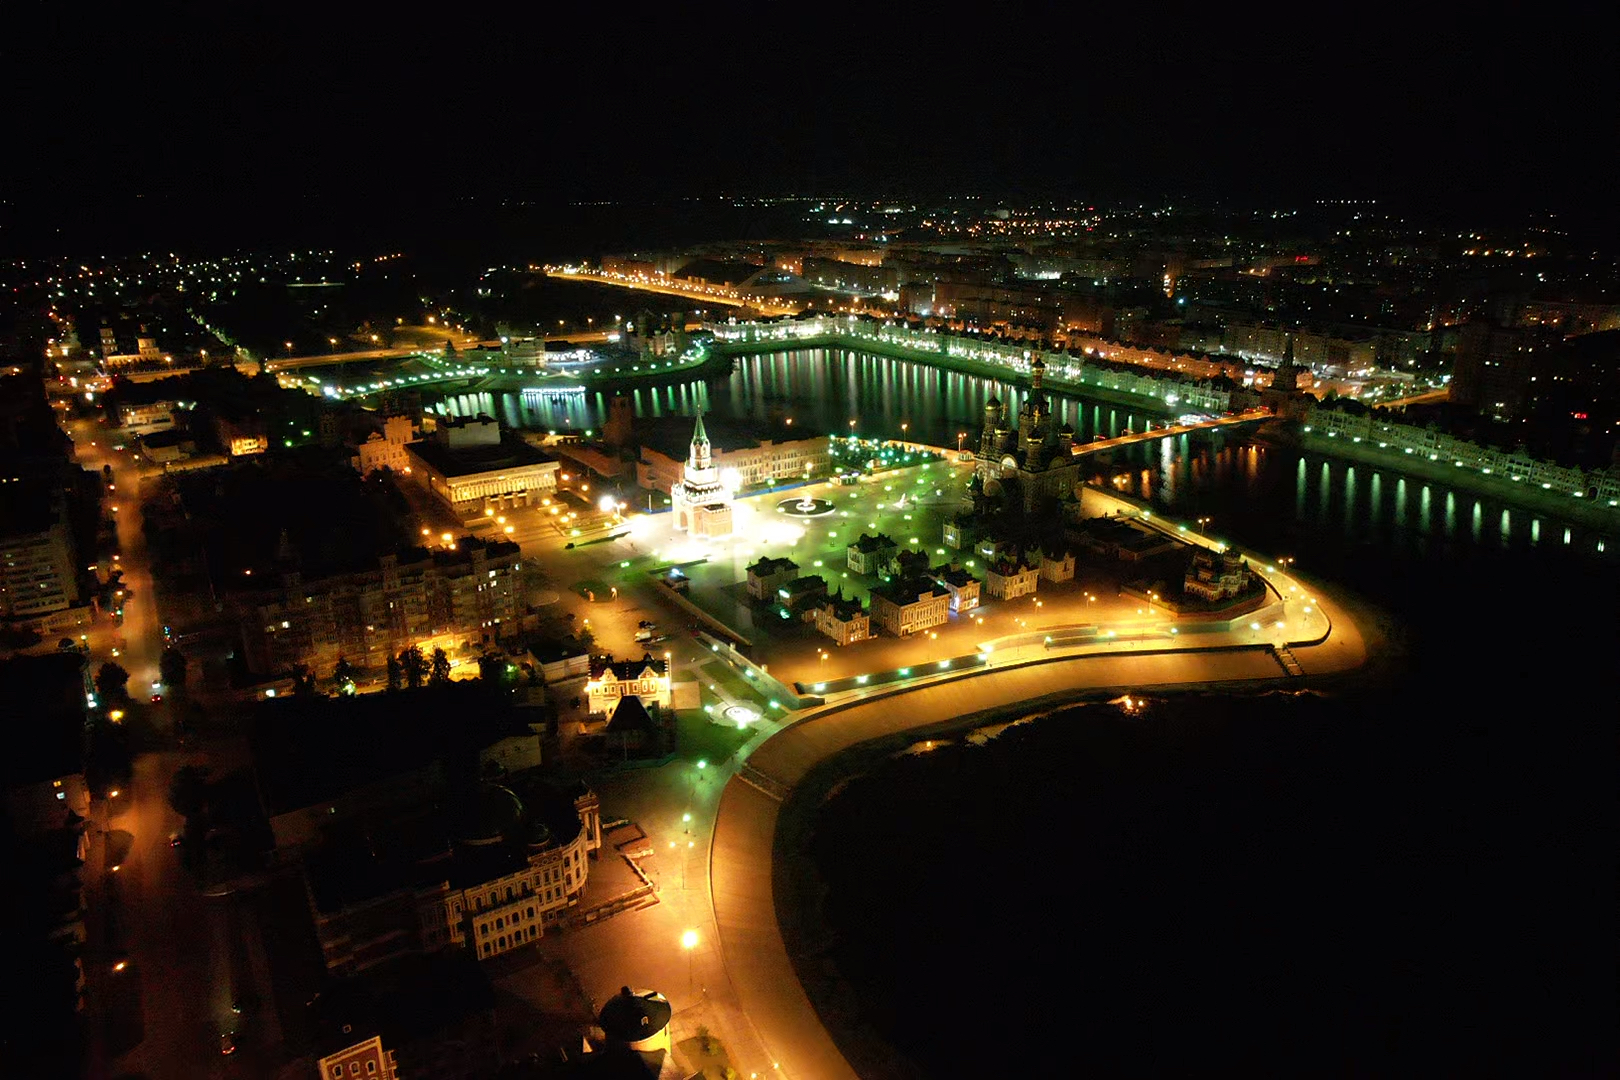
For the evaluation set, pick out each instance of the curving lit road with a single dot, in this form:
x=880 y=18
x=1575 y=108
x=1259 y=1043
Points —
x=761 y=977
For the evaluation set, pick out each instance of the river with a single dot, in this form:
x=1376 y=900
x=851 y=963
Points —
x=1330 y=514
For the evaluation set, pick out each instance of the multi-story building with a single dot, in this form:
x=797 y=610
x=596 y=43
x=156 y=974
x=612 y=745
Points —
x=142 y=418
x=1058 y=565
x=366 y=1058
x=768 y=575
x=241 y=435
x=960 y=532
x=870 y=554
x=429 y=1017
x=1010 y=580
x=1495 y=367
x=610 y=680
x=906 y=607
x=843 y=619
x=385 y=449
x=963 y=587
x=850 y=277
x=459 y=600
x=798 y=595
x=742 y=457
x=488 y=881
x=472 y=466
x=38 y=568
x=42 y=774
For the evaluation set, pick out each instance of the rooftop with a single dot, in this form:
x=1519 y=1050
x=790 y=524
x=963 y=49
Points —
x=402 y=1000
x=672 y=435
x=510 y=453
x=44 y=697
x=310 y=750
x=868 y=544
x=626 y=669
x=904 y=592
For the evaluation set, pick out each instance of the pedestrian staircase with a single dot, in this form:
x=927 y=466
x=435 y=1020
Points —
x=1288 y=661
x=768 y=786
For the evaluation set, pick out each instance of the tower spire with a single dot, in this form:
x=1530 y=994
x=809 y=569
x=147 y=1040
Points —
x=700 y=457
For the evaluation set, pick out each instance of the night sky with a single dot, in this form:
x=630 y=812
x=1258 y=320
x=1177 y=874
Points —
x=239 y=115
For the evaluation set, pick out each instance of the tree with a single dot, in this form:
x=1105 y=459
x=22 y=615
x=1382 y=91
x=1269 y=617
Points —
x=343 y=673
x=395 y=674
x=586 y=639
x=414 y=666
x=112 y=681
x=439 y=669
x=188 y=791
x=449 y=348
x=172 y=667
x=303 y=681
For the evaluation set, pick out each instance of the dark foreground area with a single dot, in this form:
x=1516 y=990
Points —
x=1411 y=878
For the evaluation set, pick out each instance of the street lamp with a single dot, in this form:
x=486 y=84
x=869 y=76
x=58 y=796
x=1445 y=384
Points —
x=960 y=435
x=689 y=941
x=1202 y=522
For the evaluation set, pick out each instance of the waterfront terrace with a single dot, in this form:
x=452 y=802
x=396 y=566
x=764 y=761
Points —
x=1167 y=394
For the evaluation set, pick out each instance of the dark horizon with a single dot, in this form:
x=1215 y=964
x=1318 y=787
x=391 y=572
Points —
x=239 y=121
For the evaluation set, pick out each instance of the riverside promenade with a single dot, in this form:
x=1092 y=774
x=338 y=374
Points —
x=783 y=1026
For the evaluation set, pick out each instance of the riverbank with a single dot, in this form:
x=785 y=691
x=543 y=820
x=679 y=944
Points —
x=1287 y=436
x=960 y=364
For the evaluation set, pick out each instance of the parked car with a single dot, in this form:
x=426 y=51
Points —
x=227 y=1042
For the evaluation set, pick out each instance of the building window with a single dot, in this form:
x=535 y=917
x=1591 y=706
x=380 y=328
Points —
x=337 y=1071
x=531 y=913
x=371 y=1067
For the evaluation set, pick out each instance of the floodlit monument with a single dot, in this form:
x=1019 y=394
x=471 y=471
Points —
x=702 y=503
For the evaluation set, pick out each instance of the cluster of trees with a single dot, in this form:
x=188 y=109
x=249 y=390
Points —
x=112 y=681
x=411 y=669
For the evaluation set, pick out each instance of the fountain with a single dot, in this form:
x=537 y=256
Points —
x=805 y=507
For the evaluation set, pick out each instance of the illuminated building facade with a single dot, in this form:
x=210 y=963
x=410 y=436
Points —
x=906 y=607
x=702 y=504
x=459 y=600
x=472 y=466
x=843 y=619
x=1010 y=580
x=365 y=1059
x=963 y=587
x=611 y=680
x=768 y=575
x=38 y=568
x=869 y=554
x=385 y=449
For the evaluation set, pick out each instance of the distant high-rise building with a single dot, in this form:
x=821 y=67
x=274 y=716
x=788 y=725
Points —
x=38 y=567
x=1495 y=368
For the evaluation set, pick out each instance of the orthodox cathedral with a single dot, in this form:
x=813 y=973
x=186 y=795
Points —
x=1033 y=459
